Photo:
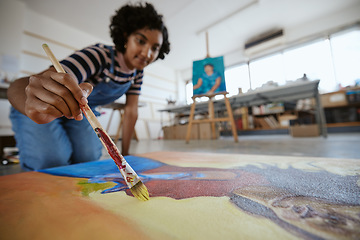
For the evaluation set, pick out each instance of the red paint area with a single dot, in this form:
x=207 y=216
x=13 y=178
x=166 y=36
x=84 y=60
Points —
x=110 y=147
x=193 y=186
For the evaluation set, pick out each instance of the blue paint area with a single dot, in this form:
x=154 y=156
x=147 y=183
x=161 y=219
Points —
x=121 y=185
x=103 y=168
x=167 y=176
x=106 y=171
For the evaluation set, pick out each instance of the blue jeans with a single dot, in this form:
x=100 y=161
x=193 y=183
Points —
x=62 y=141
x=58 y=143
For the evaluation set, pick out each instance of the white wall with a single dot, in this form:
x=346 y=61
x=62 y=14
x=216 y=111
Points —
x=62 y=39
x=10 y=50
x=11 y=25
x=27 y=31
x=320 y=26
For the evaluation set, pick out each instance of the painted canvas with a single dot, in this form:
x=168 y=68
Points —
x=193 y=196
x=208 y=76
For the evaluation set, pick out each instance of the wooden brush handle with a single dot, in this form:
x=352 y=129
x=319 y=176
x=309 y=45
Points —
x=85 y=108
x=53 y=59
x=130 y=176
x=90 y=116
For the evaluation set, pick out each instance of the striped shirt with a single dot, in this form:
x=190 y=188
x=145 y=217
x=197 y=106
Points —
x=93 y=64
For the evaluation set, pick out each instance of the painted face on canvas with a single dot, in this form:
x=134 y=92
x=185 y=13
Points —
x=142 y=48
x=209 y=69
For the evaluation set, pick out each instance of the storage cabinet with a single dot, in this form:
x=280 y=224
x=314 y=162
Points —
x=199 y=131
x=342 y=108
x=272 y=116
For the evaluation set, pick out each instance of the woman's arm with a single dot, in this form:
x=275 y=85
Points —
x=130 y=118
x=48 y=95
x=215 y=86
x=198 y=84
x=16 y=94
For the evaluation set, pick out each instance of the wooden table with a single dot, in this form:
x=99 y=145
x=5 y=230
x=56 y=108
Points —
x=193 y=196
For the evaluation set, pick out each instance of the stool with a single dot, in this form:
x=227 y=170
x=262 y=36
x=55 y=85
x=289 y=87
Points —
x=119 y=107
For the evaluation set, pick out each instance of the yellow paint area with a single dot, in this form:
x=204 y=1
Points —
x=88 y=187
x=192 y=218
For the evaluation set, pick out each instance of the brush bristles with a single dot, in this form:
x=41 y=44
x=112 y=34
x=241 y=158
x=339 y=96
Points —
x=140 y=191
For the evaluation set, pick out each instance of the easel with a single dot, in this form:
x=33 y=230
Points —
x=212 y=118
x=211 y=112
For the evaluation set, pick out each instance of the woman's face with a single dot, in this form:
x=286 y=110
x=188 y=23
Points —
x=209 y=70
x=142 y=48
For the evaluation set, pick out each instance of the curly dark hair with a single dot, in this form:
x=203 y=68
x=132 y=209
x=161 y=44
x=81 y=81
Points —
x=130 y=18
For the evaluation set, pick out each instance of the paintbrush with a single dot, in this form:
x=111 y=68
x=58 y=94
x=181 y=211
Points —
x=137 y=188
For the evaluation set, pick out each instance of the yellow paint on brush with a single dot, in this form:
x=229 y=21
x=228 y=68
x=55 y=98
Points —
x=140 y=191
x=192 y=218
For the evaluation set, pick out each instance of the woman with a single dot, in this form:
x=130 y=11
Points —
x=209 y=81
x=49 y=127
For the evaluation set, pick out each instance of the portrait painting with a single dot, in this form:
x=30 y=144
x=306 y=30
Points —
x=208 y=76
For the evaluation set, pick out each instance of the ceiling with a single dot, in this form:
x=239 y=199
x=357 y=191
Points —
x=229 y=23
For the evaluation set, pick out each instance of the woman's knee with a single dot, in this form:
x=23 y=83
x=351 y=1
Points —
x=36 y=160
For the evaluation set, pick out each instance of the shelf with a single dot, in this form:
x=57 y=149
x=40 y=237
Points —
x=348 y=105
x=343 y=124
x=266 y=114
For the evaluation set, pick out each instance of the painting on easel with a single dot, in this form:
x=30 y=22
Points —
x=208 y=76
